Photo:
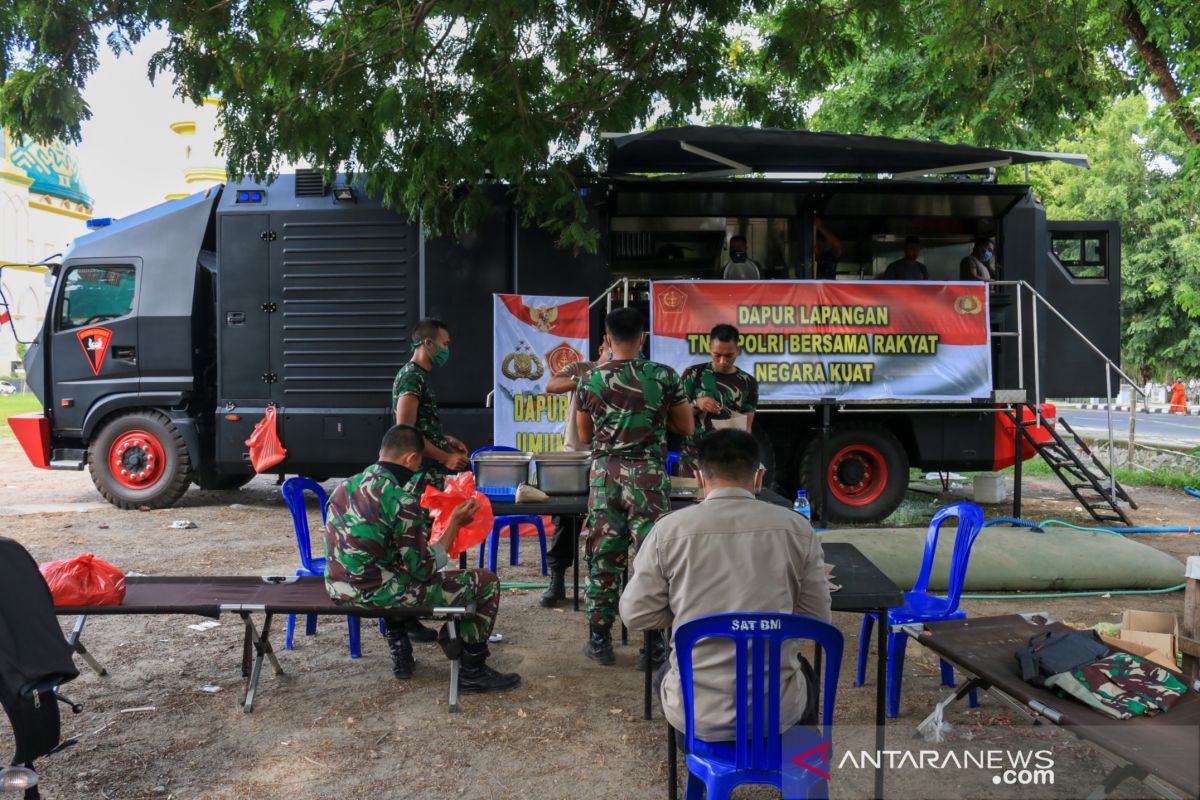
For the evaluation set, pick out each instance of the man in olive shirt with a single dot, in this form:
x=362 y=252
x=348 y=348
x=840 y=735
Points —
x=414 y=402
x=717 y=391
x=730 y=553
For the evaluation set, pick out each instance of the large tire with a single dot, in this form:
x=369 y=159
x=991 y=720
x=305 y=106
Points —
x=867 y=470
x=139 y=460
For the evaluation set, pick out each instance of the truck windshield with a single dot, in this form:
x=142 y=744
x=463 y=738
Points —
x=96 y=294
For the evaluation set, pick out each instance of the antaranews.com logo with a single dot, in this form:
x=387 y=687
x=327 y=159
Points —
x=1008 y=767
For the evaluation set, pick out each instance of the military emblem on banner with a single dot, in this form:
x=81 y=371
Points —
x=672 y=300
x=562 y=356
x=522 y=363
x=968 y=304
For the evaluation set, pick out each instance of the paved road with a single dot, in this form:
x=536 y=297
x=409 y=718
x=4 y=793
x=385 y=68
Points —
x=1152 y=428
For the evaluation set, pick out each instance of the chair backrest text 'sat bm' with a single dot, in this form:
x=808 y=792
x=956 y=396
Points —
x=293 y=490
x=758 y=640
x=970 y=523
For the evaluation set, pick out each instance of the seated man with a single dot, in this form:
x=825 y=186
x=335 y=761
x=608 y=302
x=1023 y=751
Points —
x=730 y=553
x=378 y=550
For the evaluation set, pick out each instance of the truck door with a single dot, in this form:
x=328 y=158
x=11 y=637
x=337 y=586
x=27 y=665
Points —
x=1083 y=281
x=93 y=351
x=244 y=328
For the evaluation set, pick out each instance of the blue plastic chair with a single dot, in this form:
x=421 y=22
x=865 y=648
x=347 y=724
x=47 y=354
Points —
x=920 y=606
x=490 y=547
x=293 y=490
x=757 y=753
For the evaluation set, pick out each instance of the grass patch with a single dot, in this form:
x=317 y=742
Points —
x=11 y=404
x=1167 y=479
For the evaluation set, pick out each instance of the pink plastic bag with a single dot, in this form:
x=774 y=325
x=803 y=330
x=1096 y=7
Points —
x=440 y=503
x=84 y=581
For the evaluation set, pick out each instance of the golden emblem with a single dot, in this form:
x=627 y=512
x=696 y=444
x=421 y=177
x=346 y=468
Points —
x=522 y=363
x=544 y=318
x=968 y=304
x=672 y=300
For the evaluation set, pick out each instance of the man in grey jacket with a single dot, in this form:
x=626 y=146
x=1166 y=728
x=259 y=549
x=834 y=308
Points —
x=731 y=553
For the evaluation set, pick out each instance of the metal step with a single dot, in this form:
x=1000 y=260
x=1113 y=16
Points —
x=1091 y=487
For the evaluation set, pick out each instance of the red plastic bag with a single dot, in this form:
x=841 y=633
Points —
x=265 y=448
x=440 y=503
x=84 y=581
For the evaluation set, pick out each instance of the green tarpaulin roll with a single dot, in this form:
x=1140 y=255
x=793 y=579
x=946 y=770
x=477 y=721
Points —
x=1010 y=559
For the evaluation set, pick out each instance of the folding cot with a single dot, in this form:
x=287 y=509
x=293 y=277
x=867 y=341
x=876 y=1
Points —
x=1162 y=751
x=244 y=596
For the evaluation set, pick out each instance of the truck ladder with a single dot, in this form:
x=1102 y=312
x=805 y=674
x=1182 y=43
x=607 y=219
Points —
x=1089 y=484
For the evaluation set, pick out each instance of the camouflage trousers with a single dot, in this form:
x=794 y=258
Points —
x=449 y=588
x=625 y=499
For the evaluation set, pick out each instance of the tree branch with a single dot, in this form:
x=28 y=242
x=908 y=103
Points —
x=1160 y=69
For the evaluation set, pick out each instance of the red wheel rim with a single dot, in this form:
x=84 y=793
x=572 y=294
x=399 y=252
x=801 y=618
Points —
x=136 y=460
x=857 y=475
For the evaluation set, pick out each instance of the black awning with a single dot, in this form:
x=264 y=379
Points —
x=696 y=148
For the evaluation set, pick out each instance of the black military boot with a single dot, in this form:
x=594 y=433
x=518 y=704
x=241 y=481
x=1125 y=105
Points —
x=599 y=646
x=475 y=676
x=658 y=652
x=418 y=632
x=401 y=649
x=556 y=591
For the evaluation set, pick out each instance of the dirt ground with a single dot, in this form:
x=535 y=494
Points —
x=336 y=727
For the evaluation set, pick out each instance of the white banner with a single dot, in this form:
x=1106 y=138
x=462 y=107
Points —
x=535 y=337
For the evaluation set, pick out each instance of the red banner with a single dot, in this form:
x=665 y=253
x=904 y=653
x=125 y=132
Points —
x=856 y=340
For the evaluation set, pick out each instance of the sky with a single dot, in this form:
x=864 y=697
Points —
x=128 y=157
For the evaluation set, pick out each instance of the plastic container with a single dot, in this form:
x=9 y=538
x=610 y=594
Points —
x=502 y=468
x=563 y=473
x=989 y=487
x=801 y=506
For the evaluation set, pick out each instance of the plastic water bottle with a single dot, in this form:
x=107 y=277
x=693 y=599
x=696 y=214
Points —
x=801 y=505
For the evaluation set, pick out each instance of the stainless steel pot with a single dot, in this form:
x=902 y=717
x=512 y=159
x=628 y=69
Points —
x=502 y=468
x=563 y=473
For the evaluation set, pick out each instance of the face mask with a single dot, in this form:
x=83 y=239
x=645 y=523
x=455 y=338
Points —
x=438 y=354
x=737 y=256
x=987 y=256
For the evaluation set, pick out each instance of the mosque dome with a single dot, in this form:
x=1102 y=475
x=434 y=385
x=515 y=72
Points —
x=52 y=167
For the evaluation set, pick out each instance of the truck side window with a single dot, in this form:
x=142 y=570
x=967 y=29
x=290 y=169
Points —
x=1081 y=254
x=96 y=294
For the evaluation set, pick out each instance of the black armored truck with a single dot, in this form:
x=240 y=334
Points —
x=170 y=332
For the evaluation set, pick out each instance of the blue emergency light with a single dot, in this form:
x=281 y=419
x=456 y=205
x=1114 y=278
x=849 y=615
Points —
x=250 y=196
x=99 y=222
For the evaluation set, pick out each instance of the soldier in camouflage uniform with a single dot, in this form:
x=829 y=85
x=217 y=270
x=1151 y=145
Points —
x=625 y=408
x=414 y=402
x=378 y=554
x=717 y=390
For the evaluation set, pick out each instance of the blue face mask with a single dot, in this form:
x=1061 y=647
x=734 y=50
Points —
x=987 y=255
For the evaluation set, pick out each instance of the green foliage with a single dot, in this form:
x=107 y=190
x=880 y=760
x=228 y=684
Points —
x=429 y=101
x=1135 y=179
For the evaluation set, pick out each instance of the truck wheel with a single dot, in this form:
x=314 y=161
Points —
x=139 y=459
x=867 y=472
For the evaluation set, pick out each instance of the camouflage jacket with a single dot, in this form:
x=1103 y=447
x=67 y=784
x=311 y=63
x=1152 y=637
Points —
x=628 y=402
x=736 y=392
x=1121 y=686
x=377 y=538
x=413 y=380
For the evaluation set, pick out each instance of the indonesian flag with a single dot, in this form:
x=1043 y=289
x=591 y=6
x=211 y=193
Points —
x=4 y=317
